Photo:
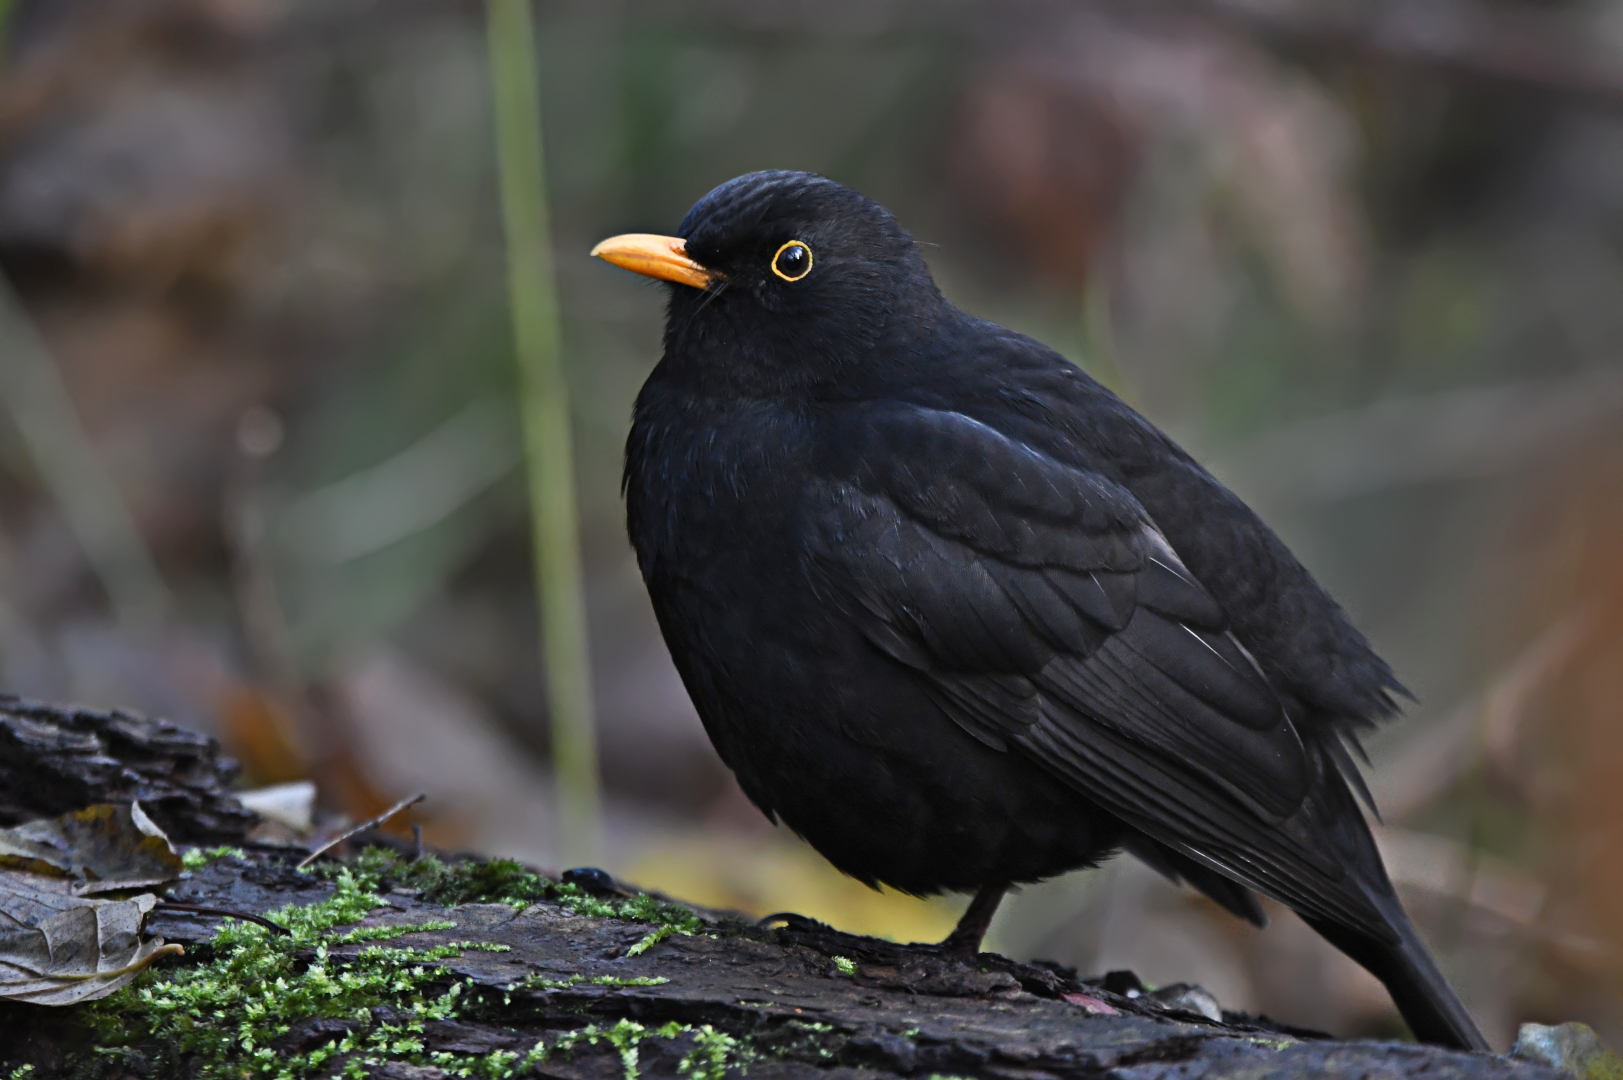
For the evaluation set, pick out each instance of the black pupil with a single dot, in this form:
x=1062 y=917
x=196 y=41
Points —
x=792 y=261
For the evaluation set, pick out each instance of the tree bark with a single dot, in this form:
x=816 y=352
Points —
x=799 y=1000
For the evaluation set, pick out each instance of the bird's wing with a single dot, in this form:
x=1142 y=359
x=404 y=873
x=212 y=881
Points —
x=1046 y=614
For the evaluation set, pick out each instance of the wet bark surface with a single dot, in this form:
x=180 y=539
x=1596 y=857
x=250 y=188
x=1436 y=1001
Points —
x=55 y=759
x=800 y=999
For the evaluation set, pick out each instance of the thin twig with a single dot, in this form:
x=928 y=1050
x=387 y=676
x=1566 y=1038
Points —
x=370 y=823
x=204 y=909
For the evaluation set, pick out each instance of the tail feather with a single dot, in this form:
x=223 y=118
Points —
x=1428 y=1004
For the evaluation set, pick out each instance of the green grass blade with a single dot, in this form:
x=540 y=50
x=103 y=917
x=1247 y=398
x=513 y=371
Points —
x=544 y=400
x=38 y=404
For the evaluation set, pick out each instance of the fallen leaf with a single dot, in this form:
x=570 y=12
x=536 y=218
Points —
x=1189 y=998
x=1573 y=1048
x=57 y=948
x=292 y=804
x=1092 y=1004
x=109 y=847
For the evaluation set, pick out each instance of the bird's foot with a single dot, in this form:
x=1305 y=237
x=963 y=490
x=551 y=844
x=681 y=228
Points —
x=788 y=920
x=965 y=939
x=961 y=944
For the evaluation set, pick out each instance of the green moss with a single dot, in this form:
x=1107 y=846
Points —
x=541 y=982
x=649 y=940
x=227 y=1010
x=624 y=1036
x=799 y=1040
x=846 y=965
x=815 y=1028
x=505 y=881
x=714 y=1052
x=218 y=1018
x=197 y=858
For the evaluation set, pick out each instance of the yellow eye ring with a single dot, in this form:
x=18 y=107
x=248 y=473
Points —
x=792 y=261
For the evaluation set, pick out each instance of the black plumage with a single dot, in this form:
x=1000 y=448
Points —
x=958 y=616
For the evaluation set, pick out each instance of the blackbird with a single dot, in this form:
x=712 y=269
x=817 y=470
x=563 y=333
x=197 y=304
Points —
x=959 y=617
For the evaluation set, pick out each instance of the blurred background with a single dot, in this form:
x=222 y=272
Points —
x=261 y=467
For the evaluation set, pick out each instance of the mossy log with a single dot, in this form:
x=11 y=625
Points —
x=581 y=980
x=55 y=759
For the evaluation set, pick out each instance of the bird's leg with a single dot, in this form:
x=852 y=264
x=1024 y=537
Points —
x=966 y=936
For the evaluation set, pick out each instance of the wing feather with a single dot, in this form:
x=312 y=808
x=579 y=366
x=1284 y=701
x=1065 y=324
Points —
x=1047 y=615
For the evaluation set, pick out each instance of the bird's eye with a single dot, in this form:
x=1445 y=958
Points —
x=793 y=261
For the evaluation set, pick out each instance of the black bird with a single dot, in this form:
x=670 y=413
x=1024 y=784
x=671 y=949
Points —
x=958 y=616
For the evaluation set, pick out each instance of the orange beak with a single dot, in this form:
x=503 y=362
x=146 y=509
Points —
x=663 y=257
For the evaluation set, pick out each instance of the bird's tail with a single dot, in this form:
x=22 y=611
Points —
x=1429 y=1005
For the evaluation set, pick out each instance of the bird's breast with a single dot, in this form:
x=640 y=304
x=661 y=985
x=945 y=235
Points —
x=711 y=496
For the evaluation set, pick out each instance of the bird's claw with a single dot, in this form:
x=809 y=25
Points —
x=788 y=920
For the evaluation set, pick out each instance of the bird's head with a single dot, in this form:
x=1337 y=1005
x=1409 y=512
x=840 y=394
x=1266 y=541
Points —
x=781 y=280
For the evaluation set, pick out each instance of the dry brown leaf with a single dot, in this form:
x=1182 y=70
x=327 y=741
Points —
x=109 y=847
x=57 y=948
